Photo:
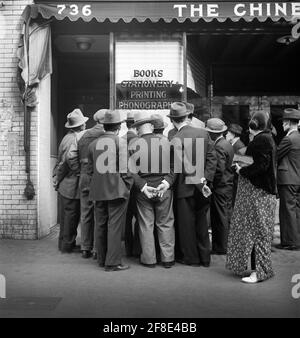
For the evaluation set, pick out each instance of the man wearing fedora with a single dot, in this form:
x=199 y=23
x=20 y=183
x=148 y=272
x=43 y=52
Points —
x=131 y=233
x=109 y=189
x=154 y=197
x=191 y=205
x=191 y=120
x=66 y=181
x=158 y=124
x=288 y=179
x=131 y=132
x=233 y=137
x=221 y=203
x=87 y=206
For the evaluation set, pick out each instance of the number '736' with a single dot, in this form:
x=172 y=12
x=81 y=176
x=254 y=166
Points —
x=75 y=9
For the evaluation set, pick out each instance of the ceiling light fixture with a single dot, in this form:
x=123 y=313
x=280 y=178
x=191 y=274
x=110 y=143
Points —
x=83 y=43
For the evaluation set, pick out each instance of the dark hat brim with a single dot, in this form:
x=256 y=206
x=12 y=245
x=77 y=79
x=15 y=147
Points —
x=178 y=116
x=143 y=121
x=117 y=122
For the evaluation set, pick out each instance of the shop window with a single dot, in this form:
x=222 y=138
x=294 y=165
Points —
x=148 y=71
x=238 y=114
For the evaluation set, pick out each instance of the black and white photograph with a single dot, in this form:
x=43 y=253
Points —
x=149 y=163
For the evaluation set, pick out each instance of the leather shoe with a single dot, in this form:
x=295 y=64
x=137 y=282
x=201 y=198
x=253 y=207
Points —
x=168 y=265
x=119 y=267
x=149 y=265
x=287 y=247
x=181 y=261
x=86 y=254
x=206 y=265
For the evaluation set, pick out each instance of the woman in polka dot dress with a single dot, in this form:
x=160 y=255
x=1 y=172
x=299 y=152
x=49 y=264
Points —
x=253 y=218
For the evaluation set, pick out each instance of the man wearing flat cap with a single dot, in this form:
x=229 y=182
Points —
x=66 y=181
x=154 y=195
x=221 y=202
x=109 y=189
x=288 y=179
x=87 y=206
x=191 y=204
x=233 y=137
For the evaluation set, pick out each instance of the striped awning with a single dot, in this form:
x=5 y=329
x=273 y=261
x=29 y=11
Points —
x=164 y=10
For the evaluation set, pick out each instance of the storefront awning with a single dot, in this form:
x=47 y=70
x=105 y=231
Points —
x=164 y=10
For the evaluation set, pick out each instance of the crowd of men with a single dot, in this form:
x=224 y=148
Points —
x=162 y=214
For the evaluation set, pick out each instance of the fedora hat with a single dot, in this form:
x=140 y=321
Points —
x=189 y=107
x=215 y=125
x=158 y=122
x=141 y=117
x=75 y=119
x=235 y=129
x=99 y=115
x=130 y=116
x=112 y=117
x=291 y=114
x=178 y=109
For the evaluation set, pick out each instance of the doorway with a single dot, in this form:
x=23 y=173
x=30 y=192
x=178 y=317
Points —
x=80 y=79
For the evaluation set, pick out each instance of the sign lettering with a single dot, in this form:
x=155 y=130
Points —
x=146 y=91
x=74 y=10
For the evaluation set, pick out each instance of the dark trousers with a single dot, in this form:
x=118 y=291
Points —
x=193 y=228
x=69 y=219
x=289 y=214
x=86 y=221
x=220 y=214
x=110 y=218
x=131 y=234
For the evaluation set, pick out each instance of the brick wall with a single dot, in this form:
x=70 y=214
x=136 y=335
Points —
x=18 y=216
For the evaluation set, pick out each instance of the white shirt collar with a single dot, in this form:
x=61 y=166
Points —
x=218 y=139
x=234 y=140
x=291 y=131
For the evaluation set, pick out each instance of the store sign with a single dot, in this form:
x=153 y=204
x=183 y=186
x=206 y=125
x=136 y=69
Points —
x=147 y=90
x=149 y=74
x=237 y=10
x=167 y=10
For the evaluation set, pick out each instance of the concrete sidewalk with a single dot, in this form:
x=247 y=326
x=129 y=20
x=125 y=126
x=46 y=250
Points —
x=42 y=282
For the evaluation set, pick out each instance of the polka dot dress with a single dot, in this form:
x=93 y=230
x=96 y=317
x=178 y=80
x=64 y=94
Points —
x=252 y=226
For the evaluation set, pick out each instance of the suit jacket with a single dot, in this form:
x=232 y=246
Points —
x=67 y=176
x=288 y=154
x=184 y=190
x=108 y=185
x=224 y=173
x=237 y=146
x=129 y=136
x=151 y=176
x=262 y=172
x=172 y=133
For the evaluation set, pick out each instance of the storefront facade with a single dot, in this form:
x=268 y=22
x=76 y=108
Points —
x=227 y=58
